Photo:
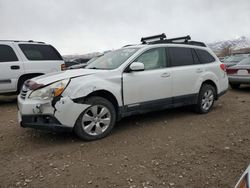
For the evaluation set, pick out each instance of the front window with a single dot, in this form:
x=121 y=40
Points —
x=112 y=60
x=153 y=59
x=7 y=54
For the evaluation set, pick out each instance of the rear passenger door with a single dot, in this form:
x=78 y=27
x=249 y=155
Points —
x=185 y=71
x=11 y=68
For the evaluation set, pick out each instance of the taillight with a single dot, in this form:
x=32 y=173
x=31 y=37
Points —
x=232 y=71
x=63 y=67
x=223 y=67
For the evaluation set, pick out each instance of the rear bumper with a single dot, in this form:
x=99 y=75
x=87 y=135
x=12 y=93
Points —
x=239 y=79
x=43 y=122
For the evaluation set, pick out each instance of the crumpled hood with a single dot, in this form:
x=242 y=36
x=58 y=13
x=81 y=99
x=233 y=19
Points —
x=53 y=77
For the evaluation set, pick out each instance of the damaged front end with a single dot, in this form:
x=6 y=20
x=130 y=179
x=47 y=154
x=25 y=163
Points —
x=46 y=108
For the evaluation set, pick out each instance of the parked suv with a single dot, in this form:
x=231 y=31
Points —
x=23 y=60
x=135 y=79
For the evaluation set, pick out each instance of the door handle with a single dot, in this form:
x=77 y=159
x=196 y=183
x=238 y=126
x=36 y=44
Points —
x=199 y=70
x=14 y=67
x=165 y=74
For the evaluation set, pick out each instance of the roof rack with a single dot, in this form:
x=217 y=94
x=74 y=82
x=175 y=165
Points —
x=145 y=39
x=21 y=41
x=162 y=39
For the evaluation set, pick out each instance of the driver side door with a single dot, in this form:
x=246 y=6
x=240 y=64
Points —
x=151 y=87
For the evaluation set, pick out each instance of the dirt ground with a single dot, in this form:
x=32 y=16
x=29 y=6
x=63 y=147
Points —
x=173 y=148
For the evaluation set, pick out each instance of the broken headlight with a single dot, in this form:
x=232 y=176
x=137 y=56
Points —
x=50 y=91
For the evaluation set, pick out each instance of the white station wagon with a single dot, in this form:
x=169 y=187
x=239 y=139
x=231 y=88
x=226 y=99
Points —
x=158 y=74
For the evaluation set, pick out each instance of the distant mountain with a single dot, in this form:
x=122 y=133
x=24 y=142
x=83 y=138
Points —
x=235 y=44
x=240 y=44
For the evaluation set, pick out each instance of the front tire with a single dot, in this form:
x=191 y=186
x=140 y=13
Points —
x=97 y=121
x=205 y=99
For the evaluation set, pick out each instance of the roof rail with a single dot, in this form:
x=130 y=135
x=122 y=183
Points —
x=21 y=41
x=163 y=40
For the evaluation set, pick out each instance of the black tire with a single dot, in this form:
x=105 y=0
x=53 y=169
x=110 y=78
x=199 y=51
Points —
x=234 y=86
x=100 y=102
x=200 y=107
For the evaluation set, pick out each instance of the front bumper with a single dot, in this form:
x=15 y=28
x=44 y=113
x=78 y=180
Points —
x=40 y=114
x=43 y=122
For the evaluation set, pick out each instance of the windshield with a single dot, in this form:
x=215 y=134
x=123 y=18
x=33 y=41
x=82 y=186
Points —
x=92 y=59
x=112 y=60
x=245 y=61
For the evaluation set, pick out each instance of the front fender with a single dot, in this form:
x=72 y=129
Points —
x=81 y=87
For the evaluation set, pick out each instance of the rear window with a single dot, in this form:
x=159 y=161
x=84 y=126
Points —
x=181 y=56
x=39 y=52
x=204 y=56
x=245 y=61
x=7 y=54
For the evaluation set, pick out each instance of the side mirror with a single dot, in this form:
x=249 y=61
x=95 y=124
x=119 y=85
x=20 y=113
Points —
x=137 y=66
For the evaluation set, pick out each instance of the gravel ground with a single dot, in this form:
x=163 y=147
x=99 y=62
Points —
x=173 y=148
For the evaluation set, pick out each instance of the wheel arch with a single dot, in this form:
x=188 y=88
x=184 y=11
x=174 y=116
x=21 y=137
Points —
x=26 y=77
x=104 y=94
x=212 y=83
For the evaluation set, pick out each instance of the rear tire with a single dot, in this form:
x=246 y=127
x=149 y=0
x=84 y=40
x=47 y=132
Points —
x=206 y=99
x=234 y=86
x=97 y=121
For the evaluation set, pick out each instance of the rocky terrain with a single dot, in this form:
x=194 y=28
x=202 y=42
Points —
x=173 y=148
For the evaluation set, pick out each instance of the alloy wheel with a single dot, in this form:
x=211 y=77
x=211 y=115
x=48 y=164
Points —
x=207 y=100
x=96 y=120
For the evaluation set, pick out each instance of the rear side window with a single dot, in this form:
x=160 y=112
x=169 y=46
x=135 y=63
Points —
x=180 y=56
x=204 y=56
x=39 y=52
x=7 y=54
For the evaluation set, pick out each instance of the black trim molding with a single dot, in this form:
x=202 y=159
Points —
x=160 y=104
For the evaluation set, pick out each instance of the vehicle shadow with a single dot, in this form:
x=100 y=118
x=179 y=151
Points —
x=243 y=89
x=127 y=124
x=136 y=121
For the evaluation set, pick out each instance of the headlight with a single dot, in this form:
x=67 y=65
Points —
x=50 y=91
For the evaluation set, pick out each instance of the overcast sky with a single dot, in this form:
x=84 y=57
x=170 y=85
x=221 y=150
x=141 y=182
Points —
x=83 y=26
